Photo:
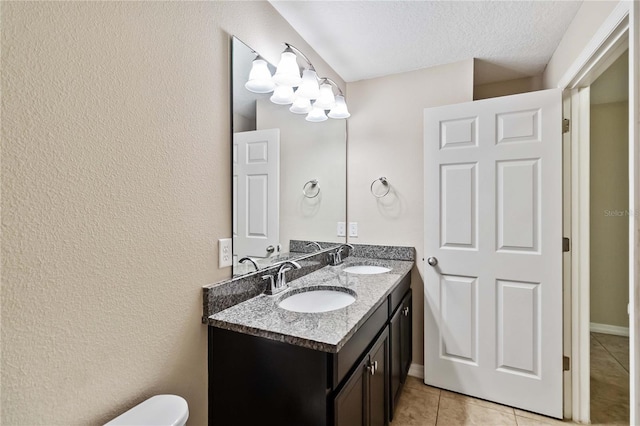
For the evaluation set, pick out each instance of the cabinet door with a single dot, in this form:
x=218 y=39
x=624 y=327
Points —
x=406 y=346
x=350 y=403
x=379 y=381
x=395 y=359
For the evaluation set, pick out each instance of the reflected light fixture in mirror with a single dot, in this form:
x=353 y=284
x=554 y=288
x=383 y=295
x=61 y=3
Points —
x=309 y=87
x=282 y=95
x=316 y=115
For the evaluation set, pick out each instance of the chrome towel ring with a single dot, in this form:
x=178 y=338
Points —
x=308 y=188
x=385 y=183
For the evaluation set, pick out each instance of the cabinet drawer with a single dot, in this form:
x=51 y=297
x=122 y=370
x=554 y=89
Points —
x=345 y=359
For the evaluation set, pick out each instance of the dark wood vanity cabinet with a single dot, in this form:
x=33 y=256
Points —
x=400 y=331
x=364 y=395
x=254 y=380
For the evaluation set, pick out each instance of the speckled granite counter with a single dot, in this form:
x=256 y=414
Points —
x=327 y=331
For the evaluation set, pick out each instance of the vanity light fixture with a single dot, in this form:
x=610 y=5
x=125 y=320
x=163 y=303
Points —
x=340 y=109
x=260 y=80
x=288 y=73
x=301 y=106
x=326 y=98
x=309 y=86
x=283 y=95
x=316 y=115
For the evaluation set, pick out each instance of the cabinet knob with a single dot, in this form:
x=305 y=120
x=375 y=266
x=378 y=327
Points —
x=372 y=367
x=405 y=311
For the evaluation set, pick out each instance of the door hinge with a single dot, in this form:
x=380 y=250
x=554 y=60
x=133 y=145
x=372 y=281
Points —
x=566 y=363
x=565 y=125
x=566 y=244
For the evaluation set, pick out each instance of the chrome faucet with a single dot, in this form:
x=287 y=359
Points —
x=280 y=282
x=335 y=258
x=248 y=259
x=314 y=243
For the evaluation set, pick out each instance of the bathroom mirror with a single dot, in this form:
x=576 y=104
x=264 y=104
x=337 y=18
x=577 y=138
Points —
x=289 y=175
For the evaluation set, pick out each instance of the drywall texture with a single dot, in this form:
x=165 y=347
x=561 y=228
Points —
x=115 y=190
x=385 y=139
x=585 y=24
x=609 y=225
x=308 y=151
x=508 y=87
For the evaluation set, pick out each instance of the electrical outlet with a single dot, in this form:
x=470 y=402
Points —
x=353 y=229
x=225 y=256
x=342 y=229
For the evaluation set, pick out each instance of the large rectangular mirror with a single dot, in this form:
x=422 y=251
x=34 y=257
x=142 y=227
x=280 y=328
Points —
x=289 y=174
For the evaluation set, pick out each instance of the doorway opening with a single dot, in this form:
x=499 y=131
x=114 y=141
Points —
x=615 y=38
x=609 y=243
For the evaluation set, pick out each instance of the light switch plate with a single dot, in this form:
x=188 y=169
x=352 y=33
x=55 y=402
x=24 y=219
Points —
x=225 y=256
x=353 y=229
x=342 y=229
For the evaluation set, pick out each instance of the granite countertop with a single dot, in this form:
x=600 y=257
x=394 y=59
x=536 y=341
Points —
x=326 y=331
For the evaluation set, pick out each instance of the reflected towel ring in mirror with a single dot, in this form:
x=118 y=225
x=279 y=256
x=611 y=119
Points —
x=384 y=182
x=308 y=187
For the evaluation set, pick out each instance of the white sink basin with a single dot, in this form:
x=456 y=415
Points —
x=318 y=300
x=366 y=269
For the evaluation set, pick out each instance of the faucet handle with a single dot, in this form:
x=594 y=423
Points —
x=335 y=258
x=271 y=286
x=281 y=283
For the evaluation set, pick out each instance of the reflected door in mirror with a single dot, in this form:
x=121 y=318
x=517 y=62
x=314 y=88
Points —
x=256 y=165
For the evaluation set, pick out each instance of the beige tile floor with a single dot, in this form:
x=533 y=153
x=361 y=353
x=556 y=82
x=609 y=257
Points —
x=422 y=405
x=609 y=379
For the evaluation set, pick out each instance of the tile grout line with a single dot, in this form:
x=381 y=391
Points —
x=438 y=407
x=610 y=353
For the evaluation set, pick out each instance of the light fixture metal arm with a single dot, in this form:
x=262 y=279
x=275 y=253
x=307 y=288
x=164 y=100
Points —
x=328 y=80
x=299 y=52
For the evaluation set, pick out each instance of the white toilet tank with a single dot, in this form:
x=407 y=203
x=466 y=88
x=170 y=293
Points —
x=159 y=410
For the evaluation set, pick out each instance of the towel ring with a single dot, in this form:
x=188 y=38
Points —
x=384 y=182
x=313 y=183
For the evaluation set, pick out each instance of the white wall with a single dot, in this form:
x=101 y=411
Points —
x=385 y=139
x=585 y=24
x=308 y=151
x=609 y=225
x=507 y=87
x=115 y=190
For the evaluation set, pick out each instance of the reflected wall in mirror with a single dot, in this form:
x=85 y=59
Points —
x=289 y=174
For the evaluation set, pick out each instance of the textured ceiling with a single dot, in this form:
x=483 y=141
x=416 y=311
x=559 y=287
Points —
x=367 y=39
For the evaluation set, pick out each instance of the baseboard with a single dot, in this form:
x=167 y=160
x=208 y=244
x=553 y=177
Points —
x=603 y=328
x=416 y=370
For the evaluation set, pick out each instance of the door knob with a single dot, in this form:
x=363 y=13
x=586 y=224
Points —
x=271 y=249
x=432 y=261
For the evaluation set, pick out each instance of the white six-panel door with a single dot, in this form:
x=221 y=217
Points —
x=256 y=192
x=493 y=223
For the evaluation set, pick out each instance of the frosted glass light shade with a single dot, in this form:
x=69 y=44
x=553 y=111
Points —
x=326 y=99
x=260 y=77
x=309 y=87
x=340 y=109
x=282 y=95
x=316 y=115
x=301 y=106
x=287 y=73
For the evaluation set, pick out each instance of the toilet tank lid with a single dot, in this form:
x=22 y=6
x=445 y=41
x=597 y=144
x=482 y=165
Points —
x=159 y=410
